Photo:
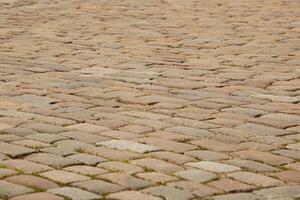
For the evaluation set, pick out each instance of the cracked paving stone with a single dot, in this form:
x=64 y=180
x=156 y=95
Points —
x=129 y=145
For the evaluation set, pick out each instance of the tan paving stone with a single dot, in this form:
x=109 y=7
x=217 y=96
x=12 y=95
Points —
x=37 y=196
x=157 y=165
x=64 y=176
x=132 y=195
x=8 y=190
x=126 y=180
x=32 y=181
x=184 y=89
x=74 y=193
x=99 y=186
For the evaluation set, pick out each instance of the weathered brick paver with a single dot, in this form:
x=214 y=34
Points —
x=159 y=99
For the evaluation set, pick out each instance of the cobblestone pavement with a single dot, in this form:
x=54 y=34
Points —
x=149 y=99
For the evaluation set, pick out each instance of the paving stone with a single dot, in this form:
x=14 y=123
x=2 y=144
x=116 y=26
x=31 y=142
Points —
x=99 y=186
x=169 y=193
x=84 y=137
x=196 y=175
x=189 y=131
x=288 y=176
x=14 y=150
x=119 y=135
x=86 y=158
x=282 y=192
x=43 y=127
x=214 y=145
x=85 y=170
x=214 y=166
x=237 y=196
x=51 y=160
x=229 y=185
x=295 y=166
x=45 y=137
x=8 y=190
x=176 y=158
x=288 y=153
x=255 y=179
x=112 y=154
x=156 y=177
x=86 y=127
x=64 y=176
x=7 y=172
x=38 y=196
x=126 y=180
x=25 y=166
x=129 y=145
x=136 y=129
x=121 y=167
x=74 y=193
x=295 y=146
x=261 y=130
x=207 y=155
x=167 y=145
x=32 y=181
x=245 y=111
x=157 y=165
x=251 y=165
x=197 y=189
x=31 y=143
x=19 y=131
x=132 y=195
x=264 y=157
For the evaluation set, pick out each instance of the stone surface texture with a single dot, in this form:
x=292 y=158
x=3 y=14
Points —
x=151 y=100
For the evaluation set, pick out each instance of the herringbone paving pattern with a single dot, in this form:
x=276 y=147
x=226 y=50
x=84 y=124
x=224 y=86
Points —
x=149 y=99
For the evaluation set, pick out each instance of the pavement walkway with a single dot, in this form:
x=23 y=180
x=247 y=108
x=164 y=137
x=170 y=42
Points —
x=149 y=99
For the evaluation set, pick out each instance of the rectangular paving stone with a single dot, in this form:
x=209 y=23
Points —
x=14 y=150
x=196 y=175
x=25 y=166
x=132 y=195
x=99 y=186
x=38 y=196
x=157 y=165
x=213 y=166
x=74 y=193
x=229 y=185
x=129 y=145
x=126 y=180
x=255 y=179
x=64 y=176
x=169 y=193
x=8 y=190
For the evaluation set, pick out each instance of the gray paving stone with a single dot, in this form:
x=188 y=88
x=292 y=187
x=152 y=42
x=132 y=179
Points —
x=51 y=160
x=132 y=195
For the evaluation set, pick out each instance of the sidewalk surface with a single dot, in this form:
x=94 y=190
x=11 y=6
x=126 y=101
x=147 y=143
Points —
x=149 y=99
